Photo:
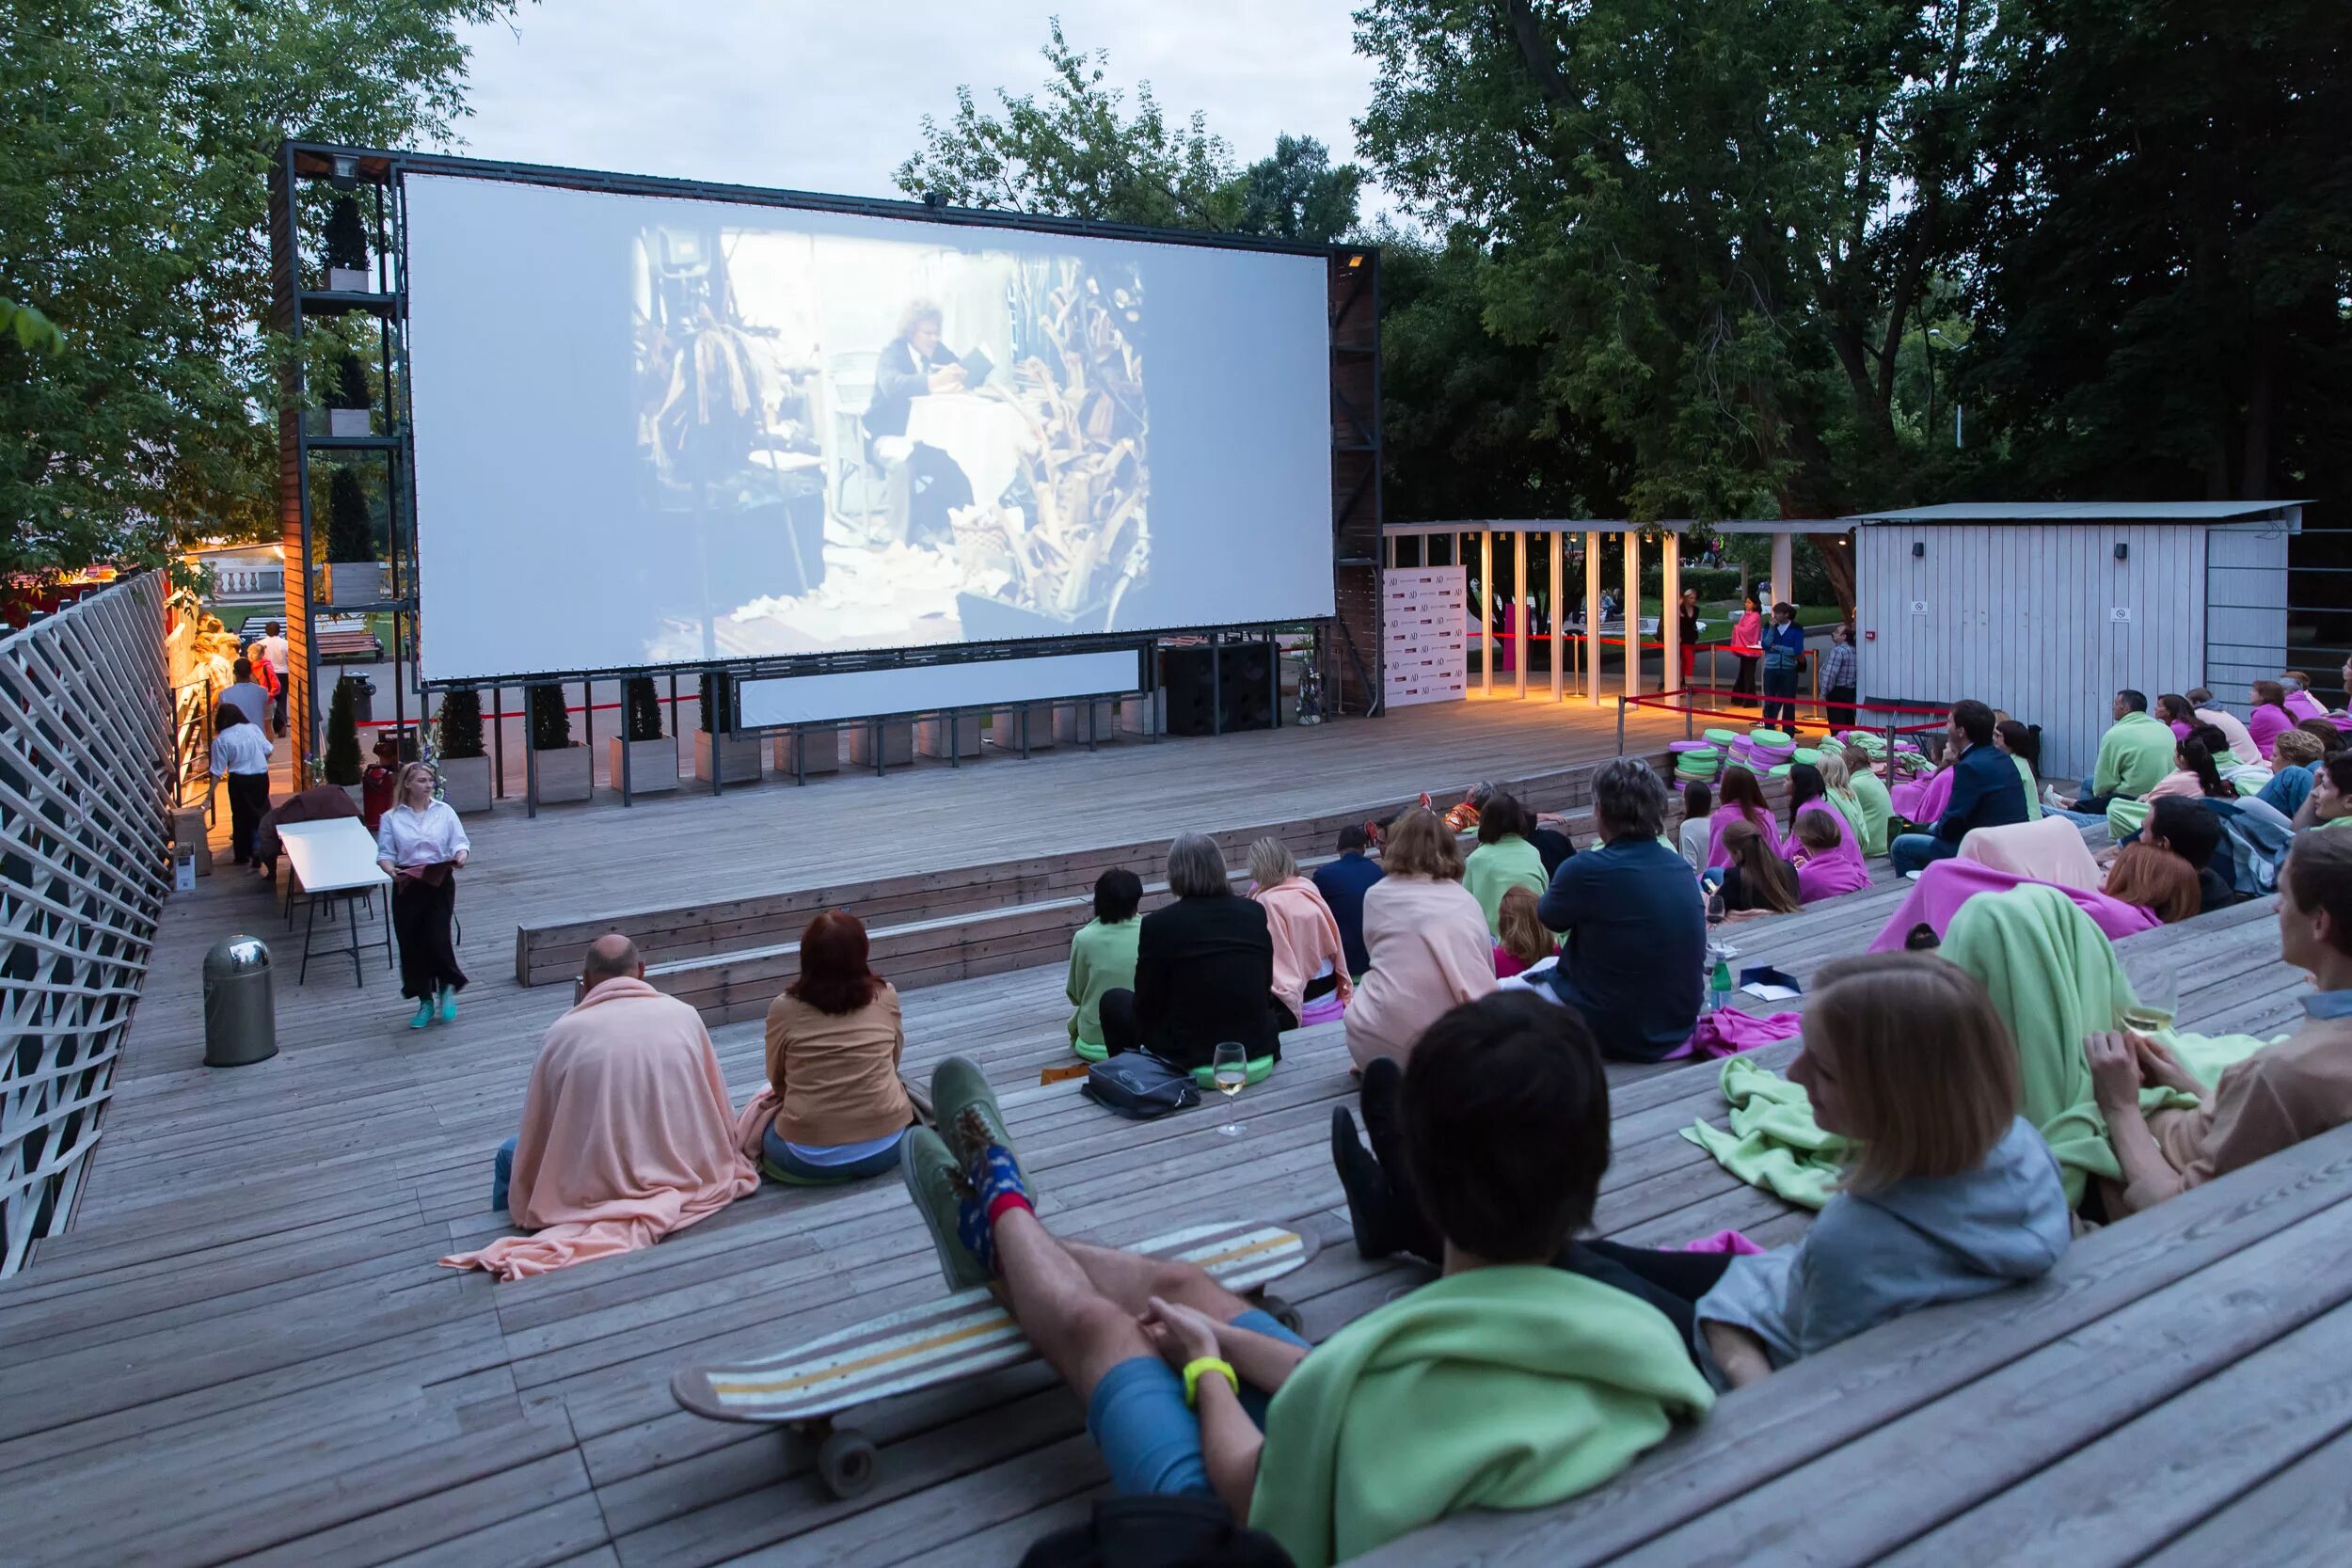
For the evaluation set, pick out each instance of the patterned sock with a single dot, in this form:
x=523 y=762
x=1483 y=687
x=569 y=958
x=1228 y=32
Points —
x=996 y=1174
x=974 y=1231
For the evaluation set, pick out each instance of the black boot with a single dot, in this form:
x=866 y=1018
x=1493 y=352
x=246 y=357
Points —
x=1368 y=1197
x=1382 y=1098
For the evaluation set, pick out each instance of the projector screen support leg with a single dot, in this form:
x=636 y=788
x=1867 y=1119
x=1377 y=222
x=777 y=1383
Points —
x=626 y=772
x=1274 y=679
x=955 y=738
x=498 y=740
x=1217 y=687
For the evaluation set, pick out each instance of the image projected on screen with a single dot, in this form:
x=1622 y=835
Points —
x=954 y=444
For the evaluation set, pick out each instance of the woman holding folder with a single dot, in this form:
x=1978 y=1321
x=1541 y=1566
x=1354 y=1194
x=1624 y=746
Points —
x=422 y=844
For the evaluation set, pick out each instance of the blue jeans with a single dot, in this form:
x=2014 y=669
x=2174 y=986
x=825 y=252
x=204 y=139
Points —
x=1149 y=1437
x=781 y=1165
x=501 y=1172
x=1779 y=683
x=1913 y=851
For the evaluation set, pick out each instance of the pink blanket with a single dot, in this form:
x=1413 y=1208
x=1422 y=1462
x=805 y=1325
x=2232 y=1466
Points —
x=1723 y=818
x=627 y=1135
x=1830 y=872
x=1923 y=801
x=1728 y=1032
x=1946 y=885
x=2050 y=850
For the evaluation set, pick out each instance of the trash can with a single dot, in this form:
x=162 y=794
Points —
x=362 y=699
x=240 y=1006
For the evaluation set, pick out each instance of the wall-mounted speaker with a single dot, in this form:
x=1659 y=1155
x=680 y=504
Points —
x=1215 y=690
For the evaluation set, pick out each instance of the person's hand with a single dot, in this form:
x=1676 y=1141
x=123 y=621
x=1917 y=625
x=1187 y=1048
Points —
x=2158 y=1066
x=2114 y=1061
x=947 y=379
x=460 y=860
x=1181 y=1334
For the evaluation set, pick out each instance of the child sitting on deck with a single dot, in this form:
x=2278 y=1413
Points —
x=1521 y=941
x=1102 y=959
x=1505 y=1383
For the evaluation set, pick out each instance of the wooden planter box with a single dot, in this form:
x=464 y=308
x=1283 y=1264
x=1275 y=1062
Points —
x=1069 y=723
x=934 y=737
x=1004 y=727
x=354 y=582
x=816 y=752
x=652 y=765
x=738 y=754
x=466 y=783
x=897 y=743
x=565 y=775
x=1144 y=715
x=348 y=281
x=350 y=422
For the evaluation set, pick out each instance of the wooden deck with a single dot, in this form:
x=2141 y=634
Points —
x=243 y=1350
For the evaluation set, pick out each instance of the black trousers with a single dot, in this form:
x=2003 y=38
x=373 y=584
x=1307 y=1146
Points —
x=1746 y=679
x=935 y=487
x=1780 y=682
x=249 y=803
x=1840 y=700
x=420 y=919
x=1121 y=1031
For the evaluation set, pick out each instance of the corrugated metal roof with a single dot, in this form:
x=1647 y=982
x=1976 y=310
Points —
x=2078 y=512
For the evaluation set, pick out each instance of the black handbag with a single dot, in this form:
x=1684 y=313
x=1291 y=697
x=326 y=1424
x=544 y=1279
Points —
x=1139 y=1087
x=1157 y=1533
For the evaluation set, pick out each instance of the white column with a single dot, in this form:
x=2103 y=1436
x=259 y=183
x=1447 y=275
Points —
x=1633 y=613
x=1670 y=625
x=1784 y=572
x=1486 y=613
x=1518 y=612
x=1559 y=636
x=1592 y=618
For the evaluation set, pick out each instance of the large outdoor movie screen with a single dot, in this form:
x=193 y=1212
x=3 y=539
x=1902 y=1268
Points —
x=655 y=431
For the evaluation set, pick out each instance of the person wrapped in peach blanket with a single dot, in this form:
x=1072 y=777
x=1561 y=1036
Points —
x=627 y=1134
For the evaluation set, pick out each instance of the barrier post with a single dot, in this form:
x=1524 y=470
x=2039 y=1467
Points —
x=1621 y=703
x=627 y=771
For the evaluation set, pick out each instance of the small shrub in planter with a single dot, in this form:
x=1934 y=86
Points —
x=350 y=412
x=346 y=248
x=551 y=722
x=644 y=707
x=735 y=757
x=353 y=575
x=563 y=768
x=652 y=762
x=465 y=768
x=342 y=738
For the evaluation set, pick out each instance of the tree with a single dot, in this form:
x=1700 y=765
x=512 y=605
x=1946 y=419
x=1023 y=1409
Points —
x=344 y=243
x=550 y=720
x=716 y=705
x=644 y=709
x=1299 y=194
x=350 y=536
x=351 y=384
x=342 y=737
x=133 y=208
x=461 y=723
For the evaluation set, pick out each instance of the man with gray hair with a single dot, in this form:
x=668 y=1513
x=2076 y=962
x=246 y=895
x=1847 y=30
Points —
x=1634 y=923
x=1204 y=970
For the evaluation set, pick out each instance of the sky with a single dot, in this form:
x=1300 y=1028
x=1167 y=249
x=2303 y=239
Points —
x=818 y=95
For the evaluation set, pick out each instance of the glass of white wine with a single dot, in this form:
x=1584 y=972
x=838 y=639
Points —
x=2157 y=999
x=1229 y=1068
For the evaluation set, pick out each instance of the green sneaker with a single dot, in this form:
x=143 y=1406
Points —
x=448 y=1005
x=938 y=1188
x=425 y=1015
x=958 y=1084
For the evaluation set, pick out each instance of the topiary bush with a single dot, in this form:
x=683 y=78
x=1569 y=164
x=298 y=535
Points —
x=346 y=237
x=550 y=725
x=351 y=384
x=349 y=536
x=642 y=708
x=342 y=737
x=715 y=703
x=461 y=725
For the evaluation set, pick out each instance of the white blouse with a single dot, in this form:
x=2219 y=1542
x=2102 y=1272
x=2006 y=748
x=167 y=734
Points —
x=240 y=748
x=406 y=837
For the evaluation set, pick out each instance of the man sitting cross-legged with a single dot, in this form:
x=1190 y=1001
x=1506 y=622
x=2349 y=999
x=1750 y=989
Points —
x=1505 y=1383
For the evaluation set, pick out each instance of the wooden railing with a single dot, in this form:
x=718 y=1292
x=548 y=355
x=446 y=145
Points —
x=86 y=766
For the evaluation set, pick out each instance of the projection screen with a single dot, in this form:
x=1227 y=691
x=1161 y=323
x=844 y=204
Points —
x=652 y=430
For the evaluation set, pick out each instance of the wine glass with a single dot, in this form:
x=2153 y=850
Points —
x=2156 y=998
x=1229 y=1068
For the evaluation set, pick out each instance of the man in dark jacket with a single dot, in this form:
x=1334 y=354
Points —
x=1343 y=884
x=1987 y=792
x=913 y=364
x=1204 y=970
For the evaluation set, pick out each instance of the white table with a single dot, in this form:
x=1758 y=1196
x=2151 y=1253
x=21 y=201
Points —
x=336 y=860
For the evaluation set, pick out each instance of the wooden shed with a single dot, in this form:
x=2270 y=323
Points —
x=2048 y=609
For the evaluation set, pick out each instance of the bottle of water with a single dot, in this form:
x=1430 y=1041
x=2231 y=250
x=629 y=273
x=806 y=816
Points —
x=1719 y=984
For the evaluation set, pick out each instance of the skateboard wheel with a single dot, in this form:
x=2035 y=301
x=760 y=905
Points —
x=845 y=1462
x=1284 y=1313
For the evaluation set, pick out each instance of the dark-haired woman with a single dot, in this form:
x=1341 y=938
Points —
x=1103 y=958
x=835 y=1037
x=2194 y=774
x=2024 y=747
x=2268 y=716
x=1756 y=879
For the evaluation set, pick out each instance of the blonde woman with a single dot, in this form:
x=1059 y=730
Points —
x=1309 y=959
x=1839 y=782
x=421 y=845
x=1427 y=938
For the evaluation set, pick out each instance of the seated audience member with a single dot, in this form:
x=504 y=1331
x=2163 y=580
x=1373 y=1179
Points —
x=1520 y=943
x=1103 y=958
x=1204 y=970
x=2270 y=715
x=1503 y=859
x=1829 y=862
x=1807 y=787
x=2294 y=759
x=1743 y=801
x=1392 y=1422
x=2194 y=831
x=1309 y=960
x=627 y=1131
x=1697 y=834
x=2299 y=699
x=2273 y=1100
x=2330 y=804
x=1951 y=1193
x=1428 y=941
x=2331 y=736
x=318 y=803
x=1343 y=881
x=2194 y=776
x=1632 y=923
x=2025 y=749
x=1871 y=792
x=2158 y=881
x=2177 y=714
x=2133 y=753
x=1755 y=880
x=1986 y=789
x=835 y=1039
x=2202 y=710
x=2051 y=850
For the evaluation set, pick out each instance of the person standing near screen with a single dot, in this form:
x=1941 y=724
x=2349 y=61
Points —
x=912 y=365
x=422 y=845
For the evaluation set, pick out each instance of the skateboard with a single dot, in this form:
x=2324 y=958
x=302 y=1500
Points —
x=807 y=1386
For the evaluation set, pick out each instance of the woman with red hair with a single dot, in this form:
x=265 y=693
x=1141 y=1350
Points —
x=835 y=1037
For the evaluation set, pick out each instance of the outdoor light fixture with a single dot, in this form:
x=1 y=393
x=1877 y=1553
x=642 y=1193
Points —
x=1355 y=260
x=1918 y=548
x=2122 y=551
x=346 y=172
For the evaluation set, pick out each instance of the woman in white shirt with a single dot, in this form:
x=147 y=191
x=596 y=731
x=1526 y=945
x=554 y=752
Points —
x=241 y=755
x=422 y=844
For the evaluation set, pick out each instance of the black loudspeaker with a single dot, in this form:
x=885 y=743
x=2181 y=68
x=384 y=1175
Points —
x=1238 y=696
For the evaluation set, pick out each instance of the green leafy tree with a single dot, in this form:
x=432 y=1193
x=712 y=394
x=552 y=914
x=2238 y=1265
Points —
x=133 y=207
x=1299 y=193
x=342 y=737
x=461 y=723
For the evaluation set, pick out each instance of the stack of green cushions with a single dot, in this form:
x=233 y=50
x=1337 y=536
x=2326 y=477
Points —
x=1699 y=763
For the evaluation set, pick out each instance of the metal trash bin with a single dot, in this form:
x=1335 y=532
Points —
x=240 y=1004
x=362 y=698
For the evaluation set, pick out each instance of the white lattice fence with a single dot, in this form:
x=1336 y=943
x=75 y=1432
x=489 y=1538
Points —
x=84 y=754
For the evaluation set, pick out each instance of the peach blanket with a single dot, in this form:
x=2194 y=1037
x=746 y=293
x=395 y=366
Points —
x=2051 y=850
x=627 y=1135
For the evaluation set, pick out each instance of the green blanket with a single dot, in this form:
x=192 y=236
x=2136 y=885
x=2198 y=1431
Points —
x=1511 y=1387
x=2053 y=976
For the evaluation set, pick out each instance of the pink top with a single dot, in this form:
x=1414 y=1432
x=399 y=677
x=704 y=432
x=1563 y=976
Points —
x=1724 y=816
x=2266 y=723
x=1430 y=953
x=1946 y=885
x=2304 y=705
x=2233 y=730
x=627 y=1135
x=2180 y=730
x=1923 y=801
x=2050 y=850
x=1507 y=963
x=1747 y=634
x=1832 y=872
x=1306 y=940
